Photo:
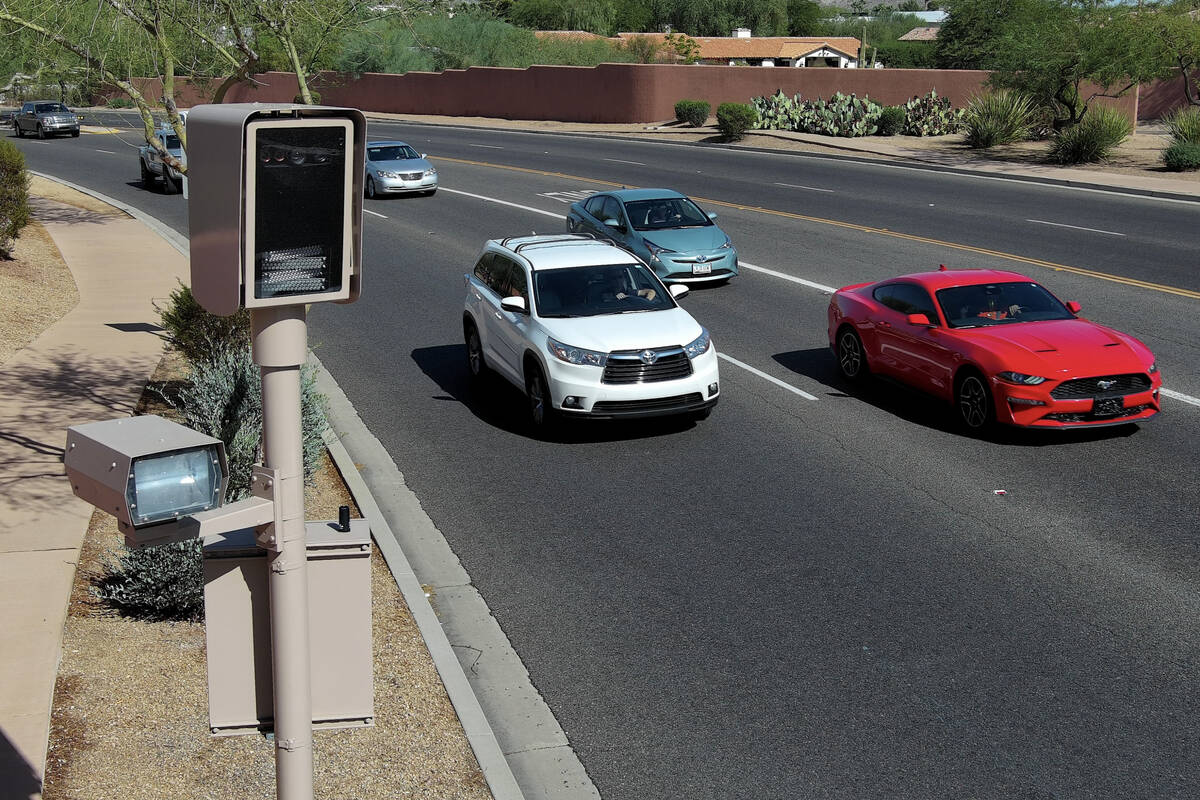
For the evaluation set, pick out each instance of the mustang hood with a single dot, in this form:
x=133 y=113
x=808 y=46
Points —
x=632 y=331
x=687 y=240
x=1074 y=345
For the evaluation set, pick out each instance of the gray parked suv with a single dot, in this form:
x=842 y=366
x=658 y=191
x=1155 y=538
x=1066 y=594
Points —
x=45 y=118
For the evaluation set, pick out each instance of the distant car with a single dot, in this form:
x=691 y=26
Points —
x=668 y=231
x=153 y=167
x=396 y=168
x=45 y=118
x=586 y=330
x=998 y=346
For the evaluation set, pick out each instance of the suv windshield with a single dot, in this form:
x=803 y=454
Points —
x=393 y=153
x=50 y=108
x=669 y=212
x=592 y=291
x=999 y=304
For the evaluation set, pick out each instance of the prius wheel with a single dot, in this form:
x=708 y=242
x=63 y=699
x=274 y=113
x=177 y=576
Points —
x=475 y=364
x=974 y=402
x=370 y=188
x=851 y=358
x=541 y=411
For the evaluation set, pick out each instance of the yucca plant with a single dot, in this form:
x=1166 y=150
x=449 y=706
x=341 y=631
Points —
x=1184 y=125
x=998 y=118
x=1101 y=129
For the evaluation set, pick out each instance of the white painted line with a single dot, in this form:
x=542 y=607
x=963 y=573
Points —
x=1183 y=398
x=489 y=146
x=1074 y=227
x=619 y=161
x=820 y=287
x=767 y=377
x=374 y=213
x=110 y=152
x=808 y=188
x=505 y=203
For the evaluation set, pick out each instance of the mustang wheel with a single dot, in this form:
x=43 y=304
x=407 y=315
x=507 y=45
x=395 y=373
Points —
x=852 y=360
x=475 y=364
x=541 y=413
x=974 y=402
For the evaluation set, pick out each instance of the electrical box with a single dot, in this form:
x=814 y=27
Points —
x=237 y=611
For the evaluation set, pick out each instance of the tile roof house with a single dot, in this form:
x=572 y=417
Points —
x=758 y=51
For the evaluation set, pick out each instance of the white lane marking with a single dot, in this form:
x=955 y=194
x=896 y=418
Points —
x=489 y=146
x=767 y=377
x=1183 y=398
x=808 y=188
x=820 y=287
x=619 y=161
x=1074 y=227
x=505 y=203
x=110 y=152
x=374 y=213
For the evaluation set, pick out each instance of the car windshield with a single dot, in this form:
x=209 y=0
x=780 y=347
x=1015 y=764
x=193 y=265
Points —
x=593 y=291
x=999 y=304
x=50 y=108
x=398 y=152
x=669 y=212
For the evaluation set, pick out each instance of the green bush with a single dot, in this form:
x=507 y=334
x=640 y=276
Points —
x=299 y=98
x=996 y=118
x=196 y=334
x=891 y=120
x=1182 y=156
x=734 y=119
x=119 y=102
x=1101 y=129
x=931 y=116
x=155 y=583
x=14 y=195
x=692 y=112
x=1184 y=125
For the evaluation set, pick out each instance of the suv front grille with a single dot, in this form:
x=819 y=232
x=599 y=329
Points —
x=648 y=406
x=669 y=364
x=1083 y=388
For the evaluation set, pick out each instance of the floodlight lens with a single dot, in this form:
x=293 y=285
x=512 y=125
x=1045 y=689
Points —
x=169 y=485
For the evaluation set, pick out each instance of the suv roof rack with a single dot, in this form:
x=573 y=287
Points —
x=564 y=238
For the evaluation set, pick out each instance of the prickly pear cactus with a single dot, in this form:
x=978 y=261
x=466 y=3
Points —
x=931 y=116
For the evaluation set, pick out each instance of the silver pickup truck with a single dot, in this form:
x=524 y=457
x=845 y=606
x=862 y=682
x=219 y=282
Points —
x=45 y=118
x=152 y=164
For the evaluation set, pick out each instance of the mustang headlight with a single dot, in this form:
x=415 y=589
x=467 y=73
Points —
x=386 y=174
x=699 y=346
x=429 y=173
x=655 y=249
x=1153 y=368
x=576 y=355
x=1020 y=378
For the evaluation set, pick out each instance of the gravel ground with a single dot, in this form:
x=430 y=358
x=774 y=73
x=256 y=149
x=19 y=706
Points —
x=130 y=716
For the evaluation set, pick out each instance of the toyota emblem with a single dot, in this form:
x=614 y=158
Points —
x=702 y=258
x=648 y=357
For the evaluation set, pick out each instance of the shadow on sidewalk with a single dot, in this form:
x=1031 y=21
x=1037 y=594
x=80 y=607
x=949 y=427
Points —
x=18 y=780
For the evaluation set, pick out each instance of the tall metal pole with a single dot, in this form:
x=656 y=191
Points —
x=280 y=347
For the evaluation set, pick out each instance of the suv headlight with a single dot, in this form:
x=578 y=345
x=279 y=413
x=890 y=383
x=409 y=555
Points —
x=699 y=346
x=576 y=355
x=1020 y=378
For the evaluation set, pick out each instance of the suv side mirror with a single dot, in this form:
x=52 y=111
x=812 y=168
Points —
x=514 y=304
x=677 y=290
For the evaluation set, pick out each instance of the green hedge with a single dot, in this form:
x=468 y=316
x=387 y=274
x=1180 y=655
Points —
x=1182 y=156
x=692 y=112
x=734 y=119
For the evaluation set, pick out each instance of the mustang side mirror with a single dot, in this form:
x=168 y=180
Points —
x=919 y=319
x=514 y=304
x=1074 y=307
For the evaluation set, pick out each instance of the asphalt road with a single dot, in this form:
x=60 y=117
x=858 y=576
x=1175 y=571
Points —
x=798 y=598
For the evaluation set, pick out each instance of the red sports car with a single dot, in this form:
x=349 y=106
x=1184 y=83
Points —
x=995 y=344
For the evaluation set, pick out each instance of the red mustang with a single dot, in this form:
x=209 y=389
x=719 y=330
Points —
x=996 y=345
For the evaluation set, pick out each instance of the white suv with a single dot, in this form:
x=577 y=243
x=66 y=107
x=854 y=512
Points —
x=587 y=330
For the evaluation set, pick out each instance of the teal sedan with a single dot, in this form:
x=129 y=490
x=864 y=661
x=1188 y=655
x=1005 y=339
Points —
x=678 y=240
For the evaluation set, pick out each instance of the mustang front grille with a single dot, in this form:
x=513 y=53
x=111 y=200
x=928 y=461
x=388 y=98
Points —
x=647 y=366
x=1106 y=386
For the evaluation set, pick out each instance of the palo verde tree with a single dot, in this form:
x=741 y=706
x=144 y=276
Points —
x=1172 y=34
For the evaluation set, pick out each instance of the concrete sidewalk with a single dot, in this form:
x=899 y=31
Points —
x=90 y=365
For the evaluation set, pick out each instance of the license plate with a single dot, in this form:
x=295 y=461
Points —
x=701 y=269
x=1109 y=407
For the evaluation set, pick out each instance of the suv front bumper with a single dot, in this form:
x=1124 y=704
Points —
x=577 y=391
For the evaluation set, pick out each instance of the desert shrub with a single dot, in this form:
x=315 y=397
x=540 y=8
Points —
x=996 y=118
x=316 y=98
x=692 y=112
x=891 y=120
x=931 y=116
x=14 y=195
x=1184 y=125
x=119 y=102
x=196 y=334
x=155 y=583
x=734 y=119
x=223 y=398
x=1101 y=129
x=1182 y=156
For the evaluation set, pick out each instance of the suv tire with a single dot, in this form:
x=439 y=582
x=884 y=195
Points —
x=477 y=368
x=541 y=409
